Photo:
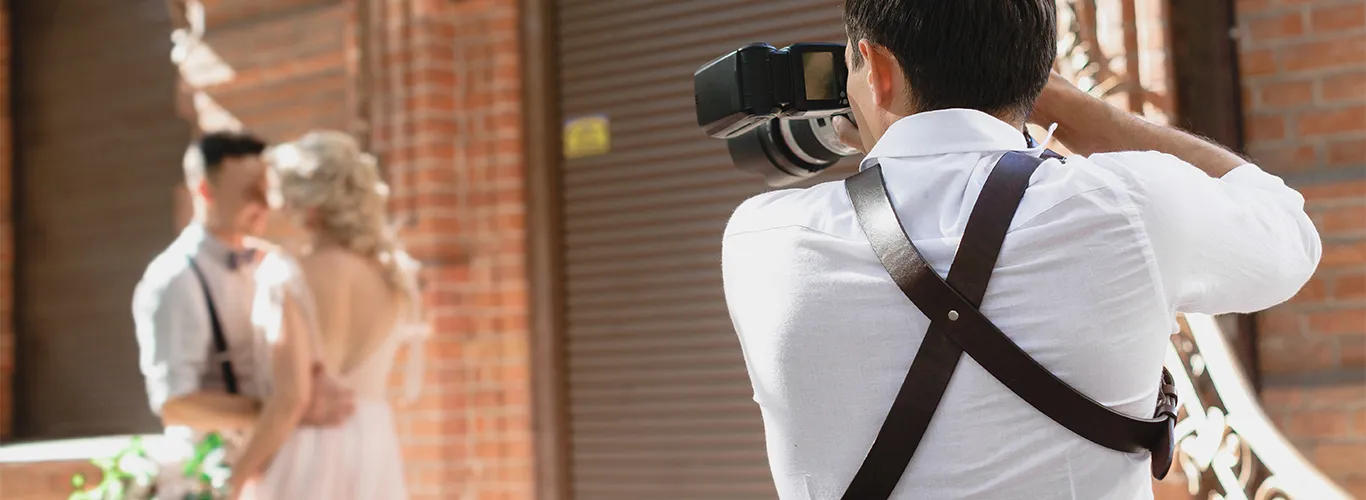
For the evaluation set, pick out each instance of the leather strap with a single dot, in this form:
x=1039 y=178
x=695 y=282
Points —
x=220 y=342
x=957 y=326
x=938 y=356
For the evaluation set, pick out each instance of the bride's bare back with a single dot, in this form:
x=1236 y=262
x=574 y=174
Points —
x=357 y=308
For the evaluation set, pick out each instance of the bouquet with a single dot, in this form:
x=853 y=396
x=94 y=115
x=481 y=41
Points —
x=134 y=474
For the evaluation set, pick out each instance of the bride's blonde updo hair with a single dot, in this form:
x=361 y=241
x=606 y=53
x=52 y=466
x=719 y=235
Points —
x=325 y=173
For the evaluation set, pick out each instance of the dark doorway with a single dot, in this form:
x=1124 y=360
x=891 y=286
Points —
x=98 y=147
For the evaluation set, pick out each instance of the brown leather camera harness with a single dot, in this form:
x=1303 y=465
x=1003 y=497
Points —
x=957 y=327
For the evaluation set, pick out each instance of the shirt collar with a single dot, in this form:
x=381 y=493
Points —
x=949 y=131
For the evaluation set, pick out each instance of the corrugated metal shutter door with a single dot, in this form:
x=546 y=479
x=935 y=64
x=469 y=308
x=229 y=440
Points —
x=660 y=405
x=99 y=149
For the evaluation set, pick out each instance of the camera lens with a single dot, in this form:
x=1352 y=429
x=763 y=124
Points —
x=815 y=141
x=787 y=151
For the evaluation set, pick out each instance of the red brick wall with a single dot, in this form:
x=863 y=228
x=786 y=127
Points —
x=42 y=481
x=1303 y=65
x=284 y=66
x=448 y=129
x=1313 y=349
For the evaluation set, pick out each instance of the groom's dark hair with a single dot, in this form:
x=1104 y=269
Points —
x=206 y=155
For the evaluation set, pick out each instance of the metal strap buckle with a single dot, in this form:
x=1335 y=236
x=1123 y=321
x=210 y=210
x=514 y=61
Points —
x=1164 y=450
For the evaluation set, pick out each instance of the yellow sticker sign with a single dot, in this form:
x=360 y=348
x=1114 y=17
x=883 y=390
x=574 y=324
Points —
x=587 y=136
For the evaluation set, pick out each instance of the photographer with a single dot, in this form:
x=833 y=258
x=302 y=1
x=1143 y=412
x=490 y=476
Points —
x=1104 y=250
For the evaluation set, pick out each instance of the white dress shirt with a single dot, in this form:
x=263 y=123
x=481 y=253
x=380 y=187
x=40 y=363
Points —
x=1101 y=255
x=175 y=336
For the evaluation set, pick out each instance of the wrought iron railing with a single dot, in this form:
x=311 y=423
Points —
x=1228 y=448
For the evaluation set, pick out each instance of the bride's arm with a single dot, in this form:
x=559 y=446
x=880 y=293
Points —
x=291 y=361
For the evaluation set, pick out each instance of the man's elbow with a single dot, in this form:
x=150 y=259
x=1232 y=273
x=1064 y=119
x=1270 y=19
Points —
x=175 y=412
x=1298 y=263
x=1307 y=254
x=1295 y=276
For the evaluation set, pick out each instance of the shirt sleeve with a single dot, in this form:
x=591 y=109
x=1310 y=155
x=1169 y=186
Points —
x=1237 y=244
x=173 y=337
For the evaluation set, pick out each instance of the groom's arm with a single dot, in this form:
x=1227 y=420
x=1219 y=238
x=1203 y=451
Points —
x=211 y=411
x=328 y=405
x=173 y=339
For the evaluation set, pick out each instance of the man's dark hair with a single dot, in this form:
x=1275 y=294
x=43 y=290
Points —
x=989 y=55
x=207 y=154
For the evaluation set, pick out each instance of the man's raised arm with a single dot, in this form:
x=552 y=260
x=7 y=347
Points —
x=1087 y=125
x=1225 y=235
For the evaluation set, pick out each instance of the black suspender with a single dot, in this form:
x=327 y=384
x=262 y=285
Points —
x=956 y=326
x=220 y=342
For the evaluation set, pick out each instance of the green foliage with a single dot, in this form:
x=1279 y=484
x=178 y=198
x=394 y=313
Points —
x=128 y=475
x=132 y=474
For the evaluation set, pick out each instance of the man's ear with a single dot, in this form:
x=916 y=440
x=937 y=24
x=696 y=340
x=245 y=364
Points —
x=883 y=70
x=202 y=189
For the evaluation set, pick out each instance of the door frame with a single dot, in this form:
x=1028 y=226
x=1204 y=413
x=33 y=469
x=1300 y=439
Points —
x=1207 y=90
x=545 y=249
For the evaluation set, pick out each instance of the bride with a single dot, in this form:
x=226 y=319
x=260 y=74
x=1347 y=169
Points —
x=347 y=297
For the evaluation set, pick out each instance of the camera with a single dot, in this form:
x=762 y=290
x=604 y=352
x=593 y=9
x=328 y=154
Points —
x=775 y=108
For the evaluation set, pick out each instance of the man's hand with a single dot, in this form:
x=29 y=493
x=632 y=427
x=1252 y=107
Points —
x=330 y=404
x=1055 y=94
x=848 y=133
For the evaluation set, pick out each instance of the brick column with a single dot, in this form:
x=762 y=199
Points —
x=1304 y=89
x=446 y=123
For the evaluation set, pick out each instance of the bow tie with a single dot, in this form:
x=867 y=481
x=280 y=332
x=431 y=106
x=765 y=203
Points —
x=241 y=258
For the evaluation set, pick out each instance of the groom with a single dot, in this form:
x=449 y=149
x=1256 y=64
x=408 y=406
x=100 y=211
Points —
x=192 y=309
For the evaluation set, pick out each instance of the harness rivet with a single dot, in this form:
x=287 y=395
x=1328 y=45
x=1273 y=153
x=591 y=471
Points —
x=953 y=315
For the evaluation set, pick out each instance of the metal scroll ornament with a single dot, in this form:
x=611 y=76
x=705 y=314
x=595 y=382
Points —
x=1080 y=56
x=1228 y=448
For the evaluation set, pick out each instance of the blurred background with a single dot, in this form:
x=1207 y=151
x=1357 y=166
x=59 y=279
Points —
x=545 y=158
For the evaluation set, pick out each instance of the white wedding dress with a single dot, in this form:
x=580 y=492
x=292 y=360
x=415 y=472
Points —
x=361 y=459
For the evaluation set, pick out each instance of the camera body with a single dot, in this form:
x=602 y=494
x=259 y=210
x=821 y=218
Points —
x=756 y=83
x=774 y=107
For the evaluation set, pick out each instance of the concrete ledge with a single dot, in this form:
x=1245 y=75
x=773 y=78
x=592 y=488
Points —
x=84 y=449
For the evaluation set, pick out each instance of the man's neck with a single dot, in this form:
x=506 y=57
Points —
x=1011 y=118
x=221 y=232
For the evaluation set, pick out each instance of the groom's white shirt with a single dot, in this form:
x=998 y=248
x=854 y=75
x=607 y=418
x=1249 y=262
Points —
x=171 y=317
